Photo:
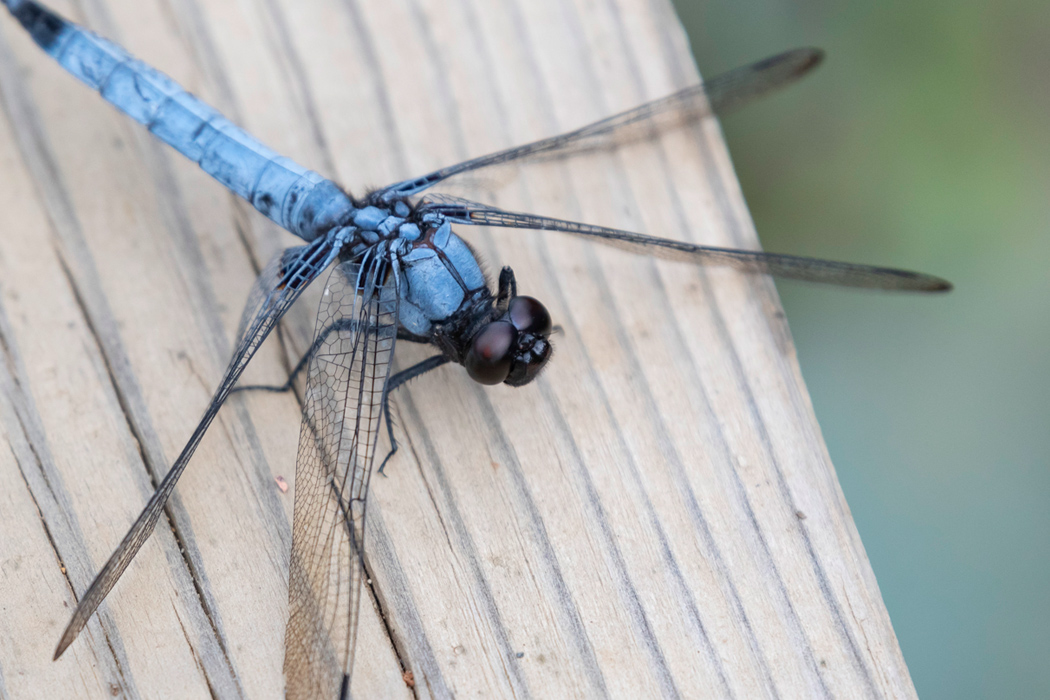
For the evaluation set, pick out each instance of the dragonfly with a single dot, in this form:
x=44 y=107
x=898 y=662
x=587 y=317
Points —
x=396 y=272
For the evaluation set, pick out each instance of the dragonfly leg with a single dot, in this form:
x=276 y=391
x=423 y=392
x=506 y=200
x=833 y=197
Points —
x=508 y=288
x=341 y=324
x=396 y=381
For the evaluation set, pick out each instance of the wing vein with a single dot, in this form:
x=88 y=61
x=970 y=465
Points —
x=341 y=415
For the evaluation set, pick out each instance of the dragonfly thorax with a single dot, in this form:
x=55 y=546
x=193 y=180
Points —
x=445 y=298
x=375 y=223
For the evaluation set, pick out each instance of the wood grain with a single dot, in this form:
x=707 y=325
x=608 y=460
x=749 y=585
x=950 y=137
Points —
x=656 y=516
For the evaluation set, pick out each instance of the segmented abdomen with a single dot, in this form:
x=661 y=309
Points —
x=298 y=199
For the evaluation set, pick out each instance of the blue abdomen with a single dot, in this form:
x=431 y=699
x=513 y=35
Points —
x=298 y=199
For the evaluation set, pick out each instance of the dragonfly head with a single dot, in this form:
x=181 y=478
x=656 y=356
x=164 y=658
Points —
x=513 y=348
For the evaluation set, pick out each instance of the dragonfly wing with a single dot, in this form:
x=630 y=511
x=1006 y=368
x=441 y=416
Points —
x=337 y=446
x=776 y=264
x=272 y=295
x=719 y=95
x=270 y=280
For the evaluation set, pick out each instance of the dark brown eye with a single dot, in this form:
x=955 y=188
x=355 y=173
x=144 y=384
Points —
x=488 y=360
x=530 y=316
x=529 y=363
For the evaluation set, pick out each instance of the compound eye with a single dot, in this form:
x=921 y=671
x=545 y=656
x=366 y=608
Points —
x=521 y=373
x=530 y=316
x=488 y=360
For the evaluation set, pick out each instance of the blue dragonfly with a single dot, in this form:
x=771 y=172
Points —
x=398 y=272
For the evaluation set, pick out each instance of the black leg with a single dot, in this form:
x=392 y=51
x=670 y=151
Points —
x=396 y=381
x=508 y=288
x=341 y=324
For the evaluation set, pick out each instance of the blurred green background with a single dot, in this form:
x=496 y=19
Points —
x=923 y=142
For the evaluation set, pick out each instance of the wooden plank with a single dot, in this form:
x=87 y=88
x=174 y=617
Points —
x=656 y=516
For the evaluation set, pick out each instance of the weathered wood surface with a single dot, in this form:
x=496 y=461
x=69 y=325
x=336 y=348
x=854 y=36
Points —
x=656 y=516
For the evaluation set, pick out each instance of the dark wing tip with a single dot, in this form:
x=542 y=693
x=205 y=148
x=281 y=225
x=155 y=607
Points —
x=67 y=638
x=797 y=61
x=810 y=58
x=940 y=285
x=921 y=282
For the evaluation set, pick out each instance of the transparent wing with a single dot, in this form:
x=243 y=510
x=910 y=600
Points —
x=779 y=265
x=270 y=279
x=720 y=95
x=274 y=292
x=337 y=446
